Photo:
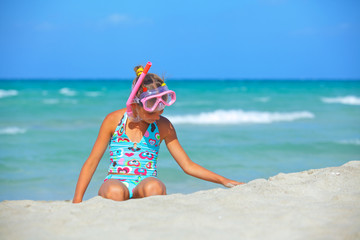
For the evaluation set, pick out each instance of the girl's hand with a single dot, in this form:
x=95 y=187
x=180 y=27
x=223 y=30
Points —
x=231 y=183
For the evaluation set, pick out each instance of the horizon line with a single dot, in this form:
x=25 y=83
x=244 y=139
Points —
x=183 y=79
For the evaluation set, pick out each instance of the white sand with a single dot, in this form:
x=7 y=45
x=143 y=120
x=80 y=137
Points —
x=315 y=204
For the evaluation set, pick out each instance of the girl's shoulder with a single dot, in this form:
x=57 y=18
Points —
x=116 y=115
x=165 y=127
x=163 y=122
x=114 y=118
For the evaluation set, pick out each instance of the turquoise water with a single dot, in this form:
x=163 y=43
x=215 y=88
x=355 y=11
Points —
x=241 y=129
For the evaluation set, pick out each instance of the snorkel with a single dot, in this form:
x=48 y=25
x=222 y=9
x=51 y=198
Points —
x=135 y=89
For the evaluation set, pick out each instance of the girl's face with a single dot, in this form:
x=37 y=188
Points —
x=148 y=117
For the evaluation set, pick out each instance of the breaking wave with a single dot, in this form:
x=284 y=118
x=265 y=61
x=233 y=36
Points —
x=351 y=142
x=240 y=117
x=67 y=92
x=349 y=100
x=8 y=93
x=12 y=130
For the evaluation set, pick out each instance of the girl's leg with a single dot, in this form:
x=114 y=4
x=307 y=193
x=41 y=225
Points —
x=149 y=187
x=114 y=189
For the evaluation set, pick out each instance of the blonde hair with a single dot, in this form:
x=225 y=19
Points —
x=151 y=81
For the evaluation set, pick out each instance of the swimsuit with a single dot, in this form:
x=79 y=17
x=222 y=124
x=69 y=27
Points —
x=138 y=159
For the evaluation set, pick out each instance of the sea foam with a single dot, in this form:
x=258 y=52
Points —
x=93 y=94
x=262 y=99
x=349 y=100
x=351 y=142
x=12 y=130
x=8 y=93
x=240 y=117
x=67 y=92
x=51 y=101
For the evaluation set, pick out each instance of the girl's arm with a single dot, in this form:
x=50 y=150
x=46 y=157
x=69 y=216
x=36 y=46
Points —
x=188 y=165
x=94 y=158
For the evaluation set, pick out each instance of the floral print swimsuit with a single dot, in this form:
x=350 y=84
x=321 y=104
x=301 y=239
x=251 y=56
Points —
x=132 y=162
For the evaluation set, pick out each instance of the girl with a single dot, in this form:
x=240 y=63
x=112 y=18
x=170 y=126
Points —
x=134 y=135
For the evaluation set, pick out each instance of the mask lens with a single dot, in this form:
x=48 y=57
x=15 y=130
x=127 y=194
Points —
x=165 y=97
x=150 y=103
x=170 y=97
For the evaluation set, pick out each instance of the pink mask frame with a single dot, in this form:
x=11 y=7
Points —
x=157 y=93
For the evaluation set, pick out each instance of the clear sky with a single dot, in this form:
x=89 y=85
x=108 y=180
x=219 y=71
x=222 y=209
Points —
x=184 y=39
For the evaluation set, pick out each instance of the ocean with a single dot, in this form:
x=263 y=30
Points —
x=243 y=130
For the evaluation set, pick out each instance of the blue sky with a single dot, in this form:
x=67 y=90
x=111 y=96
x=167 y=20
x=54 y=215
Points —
x=242 y=39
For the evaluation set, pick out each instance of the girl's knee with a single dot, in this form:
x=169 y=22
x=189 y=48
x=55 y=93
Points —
x=115 y=192
x=154 y=187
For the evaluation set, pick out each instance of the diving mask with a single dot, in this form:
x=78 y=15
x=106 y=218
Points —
x=156 y=99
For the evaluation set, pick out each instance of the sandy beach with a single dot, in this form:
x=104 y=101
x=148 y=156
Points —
x=314 y=204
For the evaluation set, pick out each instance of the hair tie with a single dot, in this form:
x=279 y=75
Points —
x=164 y=84
x=144 y=89
x=139 y=71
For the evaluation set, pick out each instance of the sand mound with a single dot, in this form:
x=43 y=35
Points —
x=314 y=204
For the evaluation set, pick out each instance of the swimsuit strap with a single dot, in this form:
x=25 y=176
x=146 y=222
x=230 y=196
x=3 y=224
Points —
x=123 y=119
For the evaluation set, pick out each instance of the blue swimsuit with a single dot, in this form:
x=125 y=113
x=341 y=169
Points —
x=136 y=159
